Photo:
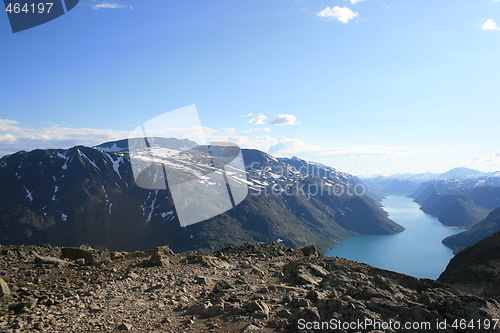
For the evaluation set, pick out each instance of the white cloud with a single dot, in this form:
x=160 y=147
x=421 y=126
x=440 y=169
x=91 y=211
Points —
x=343 y=14
x=8 y=125
x=7 y=138
x=258 y=119
x=230 y=130
x=284 y=119
x=22 y=138
x=258 y=129
x=356 y=1
x=288 y=146
x=109 y=5
x=490 y=25
x=485 y=162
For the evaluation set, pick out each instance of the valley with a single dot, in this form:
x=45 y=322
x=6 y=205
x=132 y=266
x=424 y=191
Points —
x=417 y=251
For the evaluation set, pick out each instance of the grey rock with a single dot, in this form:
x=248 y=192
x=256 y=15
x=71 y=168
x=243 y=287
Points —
x=74 y=253
x=300 y=272
x=311 y=250
x=156 y=260
x=94 y=308
x=198 y=308
x=50 y=261
x=124 y=327
x=4 y=288
x=250 y=328
x=38 y=325
x=207 y=261
x=258 y=308
x=162 y=251
x=220 y=286
x=203 y=280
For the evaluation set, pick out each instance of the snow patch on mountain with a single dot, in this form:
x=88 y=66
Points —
x=88 y=159
x=116 y=163
x=113 y=149
x=29 y=194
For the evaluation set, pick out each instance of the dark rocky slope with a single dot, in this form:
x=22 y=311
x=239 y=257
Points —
x=476 y=269
x=249 y=288
x=482 y=230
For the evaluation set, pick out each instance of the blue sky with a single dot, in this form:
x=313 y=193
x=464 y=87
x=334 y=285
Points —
x=374 y=86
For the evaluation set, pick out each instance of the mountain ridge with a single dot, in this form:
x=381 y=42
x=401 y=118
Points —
x=487 y=227
x=86 y=195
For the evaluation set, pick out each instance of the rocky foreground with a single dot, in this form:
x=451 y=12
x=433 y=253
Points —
x=247 y=288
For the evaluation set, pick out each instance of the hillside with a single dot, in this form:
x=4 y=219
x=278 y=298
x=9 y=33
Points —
x=86 y=195
x=248 y=288
x=476 y=269
x=460 y=203
x=489 y=226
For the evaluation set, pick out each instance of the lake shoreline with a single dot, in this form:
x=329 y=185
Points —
x=417 y=251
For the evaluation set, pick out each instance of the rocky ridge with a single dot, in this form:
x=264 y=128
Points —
x=252 y=287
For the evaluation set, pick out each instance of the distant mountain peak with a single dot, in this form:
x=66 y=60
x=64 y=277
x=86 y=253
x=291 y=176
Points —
x=460 y=173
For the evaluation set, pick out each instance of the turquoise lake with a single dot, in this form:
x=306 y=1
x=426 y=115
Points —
x=417 y=251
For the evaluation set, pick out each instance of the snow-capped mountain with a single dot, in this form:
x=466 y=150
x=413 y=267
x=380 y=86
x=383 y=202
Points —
x=89 y=195
x=408 y=183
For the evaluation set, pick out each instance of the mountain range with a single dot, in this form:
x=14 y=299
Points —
x=405 y=184
x=460 y=197
x=459 y=202
x=88 y=195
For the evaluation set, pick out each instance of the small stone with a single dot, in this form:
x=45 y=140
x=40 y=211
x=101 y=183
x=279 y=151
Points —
x=38 y=325
x=162 y=251
x=220 y=286
x=203 y=280
x=212 y=311
x=259 y=309
x=257 y=271
x=154 y=287
x=250 y=328
x=94 y=308
x=124 y=327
